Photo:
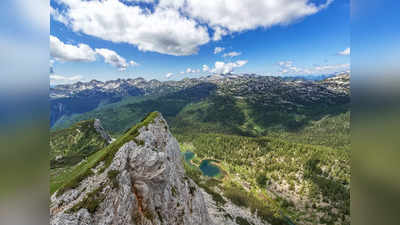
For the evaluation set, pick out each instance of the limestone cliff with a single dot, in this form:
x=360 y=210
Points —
x=142 y=182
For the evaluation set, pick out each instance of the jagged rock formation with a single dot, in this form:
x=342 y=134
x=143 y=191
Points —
x=230 y=214
x=141 y=183
x=101 y=131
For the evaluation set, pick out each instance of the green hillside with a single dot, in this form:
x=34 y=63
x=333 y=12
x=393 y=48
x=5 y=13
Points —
x=301 y=181
x=70 y=178
x=74 y=143
x=191 y=111
x=71 y=145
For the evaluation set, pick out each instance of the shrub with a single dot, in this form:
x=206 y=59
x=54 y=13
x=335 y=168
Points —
x=91 y=202
x=261 y=180
x=242 y=221
x=112 y=175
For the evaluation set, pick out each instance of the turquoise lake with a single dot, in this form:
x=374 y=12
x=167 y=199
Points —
x=188 y=156
x=209 y=169
x=206 y=166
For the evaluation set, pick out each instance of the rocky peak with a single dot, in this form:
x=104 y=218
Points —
x=137 y=179
x=99 y=128
x=338 y=83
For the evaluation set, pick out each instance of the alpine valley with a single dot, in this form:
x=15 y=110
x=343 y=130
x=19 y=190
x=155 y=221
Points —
x=221 y=149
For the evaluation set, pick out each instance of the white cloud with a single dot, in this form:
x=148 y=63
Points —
x=57 y=16
x=164 y=30
x=287 y=68
x=133 y=63
x=345 y=52
x=206 y=68
x=178 y=27
x=227 y=68
x=232 y=54
x=84 y=53
x=190 y=70
x=171 y=3
x=169 y=75
x=218 y=50
x=59 y=79
x=239 y=15
x=219 y=33
x=66 y=52
x=112 y=58
x=285 y=63
x=146 y=1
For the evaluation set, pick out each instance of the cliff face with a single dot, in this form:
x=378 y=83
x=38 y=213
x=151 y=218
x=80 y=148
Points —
x=101 y=130
x=143 y=184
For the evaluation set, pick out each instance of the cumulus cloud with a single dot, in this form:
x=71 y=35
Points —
x=163 y=30
x=219 y=33
x=345 y=52
x=112 y=58
x=231 y=54
x=206 y=68
x=84 y=53
x=218 y=50
x=239 y=15
x=169 y=75
x=59 y=79
x=227 y=68
x=178 y=27
x=146 y=1
x=57 y=16
x=189 y=70
x=67 y=52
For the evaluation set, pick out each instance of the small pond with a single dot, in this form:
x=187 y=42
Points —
x=209 y=169
x=188 y=156
x=206 y=166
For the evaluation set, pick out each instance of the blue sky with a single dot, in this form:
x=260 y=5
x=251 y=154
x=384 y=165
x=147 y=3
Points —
x=174 y=39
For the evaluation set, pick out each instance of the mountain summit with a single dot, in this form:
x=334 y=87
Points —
x=137 y=179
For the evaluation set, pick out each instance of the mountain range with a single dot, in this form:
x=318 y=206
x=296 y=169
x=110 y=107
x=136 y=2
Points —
x=254 y=149
x=68 y=101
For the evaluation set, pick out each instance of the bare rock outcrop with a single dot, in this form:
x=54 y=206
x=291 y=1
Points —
x=143 y=184
x=99 y=128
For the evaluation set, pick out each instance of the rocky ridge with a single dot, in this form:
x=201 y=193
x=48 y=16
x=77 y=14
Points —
x=81 y=97
x=99 y=128
x=142 y=183
x=139 y=86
